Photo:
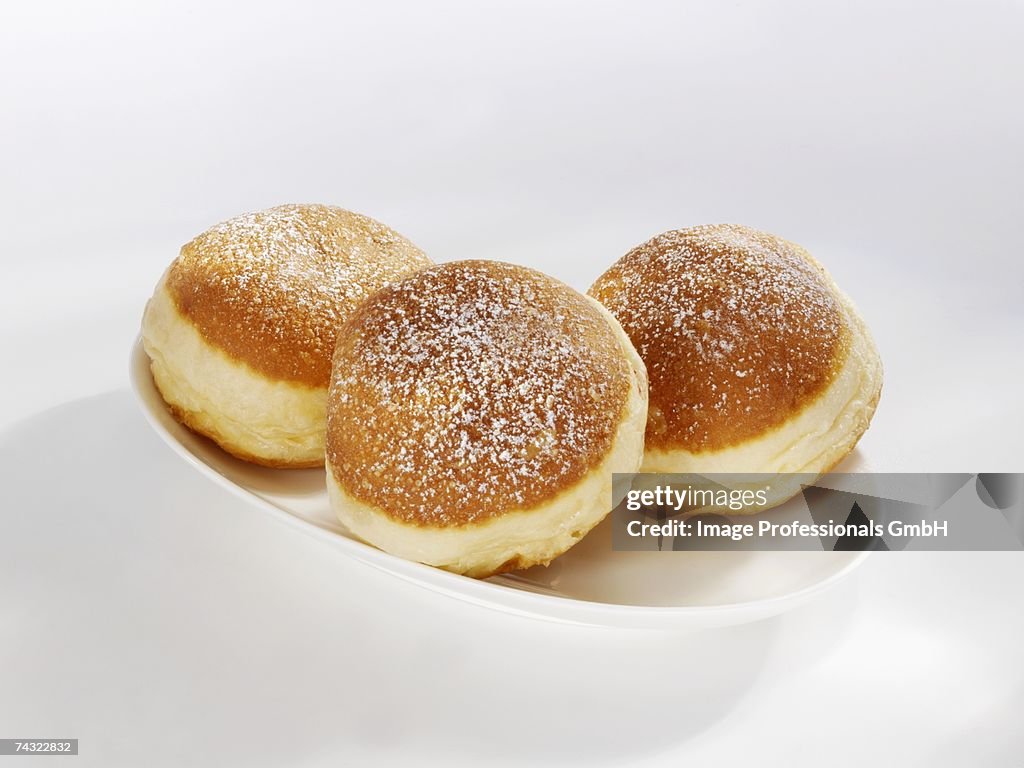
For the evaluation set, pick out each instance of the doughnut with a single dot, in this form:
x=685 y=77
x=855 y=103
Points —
x=241 y=327
x=758 y=363
x=476 y=413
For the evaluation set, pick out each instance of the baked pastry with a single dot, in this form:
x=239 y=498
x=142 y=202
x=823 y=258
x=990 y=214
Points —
x=758 y=363
x=476 y=413
x=241 y=327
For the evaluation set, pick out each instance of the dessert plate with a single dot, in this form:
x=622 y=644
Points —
x=590 y=584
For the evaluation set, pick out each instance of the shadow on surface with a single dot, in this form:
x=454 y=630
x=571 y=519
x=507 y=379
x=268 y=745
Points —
x=184 y=612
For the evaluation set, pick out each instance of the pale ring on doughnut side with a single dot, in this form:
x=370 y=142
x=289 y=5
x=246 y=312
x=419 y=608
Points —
x=758 y=363
x=476 y=414
x=241 y=328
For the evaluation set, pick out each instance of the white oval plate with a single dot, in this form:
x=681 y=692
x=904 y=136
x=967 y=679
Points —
x=589 y=584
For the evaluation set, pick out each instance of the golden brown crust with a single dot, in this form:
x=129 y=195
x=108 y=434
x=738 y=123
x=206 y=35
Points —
x=739 y=330
x=512 y=564
x=271 y=288
x=472 y=389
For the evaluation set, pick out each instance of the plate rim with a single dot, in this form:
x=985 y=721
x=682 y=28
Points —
x=560 y=609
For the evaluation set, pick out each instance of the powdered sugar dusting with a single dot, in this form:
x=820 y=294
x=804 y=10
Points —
x=272 y=287
x=737 y=328
x=470 y=389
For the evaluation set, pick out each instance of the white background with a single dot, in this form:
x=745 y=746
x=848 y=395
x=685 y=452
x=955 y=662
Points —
x=163 y=622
